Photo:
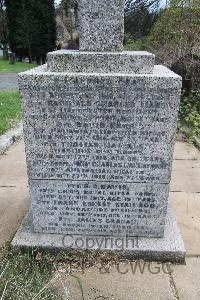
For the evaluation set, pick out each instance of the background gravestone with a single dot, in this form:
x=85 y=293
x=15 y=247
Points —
x=99 y=128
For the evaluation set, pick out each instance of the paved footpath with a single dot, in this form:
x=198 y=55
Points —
x=8 y=81
x=182 y=283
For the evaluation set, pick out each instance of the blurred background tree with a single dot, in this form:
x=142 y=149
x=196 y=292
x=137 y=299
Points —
x=32 y=28
x=140 y=16
x=175 y=39
x=67 y=24
x=3 y=30
x=172 y=32
x=177 y=32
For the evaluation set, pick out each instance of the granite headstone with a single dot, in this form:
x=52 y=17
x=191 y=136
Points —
x=99 y=128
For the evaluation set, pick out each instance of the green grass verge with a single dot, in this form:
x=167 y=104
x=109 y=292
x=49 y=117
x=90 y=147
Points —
x=9 y=109
x=25 y=276
x=40 y=274
x=5 y=67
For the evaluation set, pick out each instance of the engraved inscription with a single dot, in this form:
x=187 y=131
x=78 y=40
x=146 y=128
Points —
x=99 y=151
x=98 y=207
x=104 y=135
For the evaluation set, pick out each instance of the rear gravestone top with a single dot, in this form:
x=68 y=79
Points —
x=99 y=128
x=101 y=25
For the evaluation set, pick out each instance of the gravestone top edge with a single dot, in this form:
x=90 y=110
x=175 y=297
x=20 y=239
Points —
x=126 y=62
x=159 y=71
x=109 y=53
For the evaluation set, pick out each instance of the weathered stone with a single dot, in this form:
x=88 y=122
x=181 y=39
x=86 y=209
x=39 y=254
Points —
x=97 y=139
x=101 y=25
x=168 y=248
x=185 y=151
x=99 y=132
x=12 y=169
x=123 y=281
x=186 y=279
x=128 y=62
x=14 y=204
x=186 y=207
x=54 y=202
x=14 y=194
x=10 y=137
x=185 y=181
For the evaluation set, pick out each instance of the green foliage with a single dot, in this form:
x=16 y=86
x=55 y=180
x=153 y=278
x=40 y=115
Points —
x=184 y=3
x=139 y=18
x=5 y=67
x=9 y=109
x=133 y=5
x=135 y=45
x=176 y=34
x=189 y=116
x=24 y=275
x=32 y=27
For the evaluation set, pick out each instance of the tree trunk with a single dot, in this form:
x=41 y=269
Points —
x=38 y=60
x=44 y=60
x=5 y=52
x=30 y=54
x=12 y=58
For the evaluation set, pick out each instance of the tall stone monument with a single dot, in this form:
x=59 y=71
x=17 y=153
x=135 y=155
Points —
x=99 y=127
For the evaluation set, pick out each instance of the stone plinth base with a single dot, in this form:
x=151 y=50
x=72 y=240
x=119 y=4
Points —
x=127 y=62
x=168 y=249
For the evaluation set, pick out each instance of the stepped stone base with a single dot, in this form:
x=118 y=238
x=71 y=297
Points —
x=170 y=248
x=127 y=62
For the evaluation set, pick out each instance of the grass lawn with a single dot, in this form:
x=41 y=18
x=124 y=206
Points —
x=9 y=109
x=5 y=67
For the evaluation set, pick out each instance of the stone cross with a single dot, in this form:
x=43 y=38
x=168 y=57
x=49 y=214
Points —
x=101 y=25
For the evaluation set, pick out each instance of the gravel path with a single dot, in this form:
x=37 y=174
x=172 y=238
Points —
x=8 y=81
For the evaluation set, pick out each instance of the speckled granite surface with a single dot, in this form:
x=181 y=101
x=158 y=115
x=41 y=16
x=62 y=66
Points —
x=99 y=148
x=99 y=128
x=127 y=62
x=170 y=248
x=101 y=25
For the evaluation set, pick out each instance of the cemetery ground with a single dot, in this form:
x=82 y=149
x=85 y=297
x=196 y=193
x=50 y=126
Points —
x=8 y=73
x=5 y=67
x=9 y=109
x=37 y=275
x=9 y=95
